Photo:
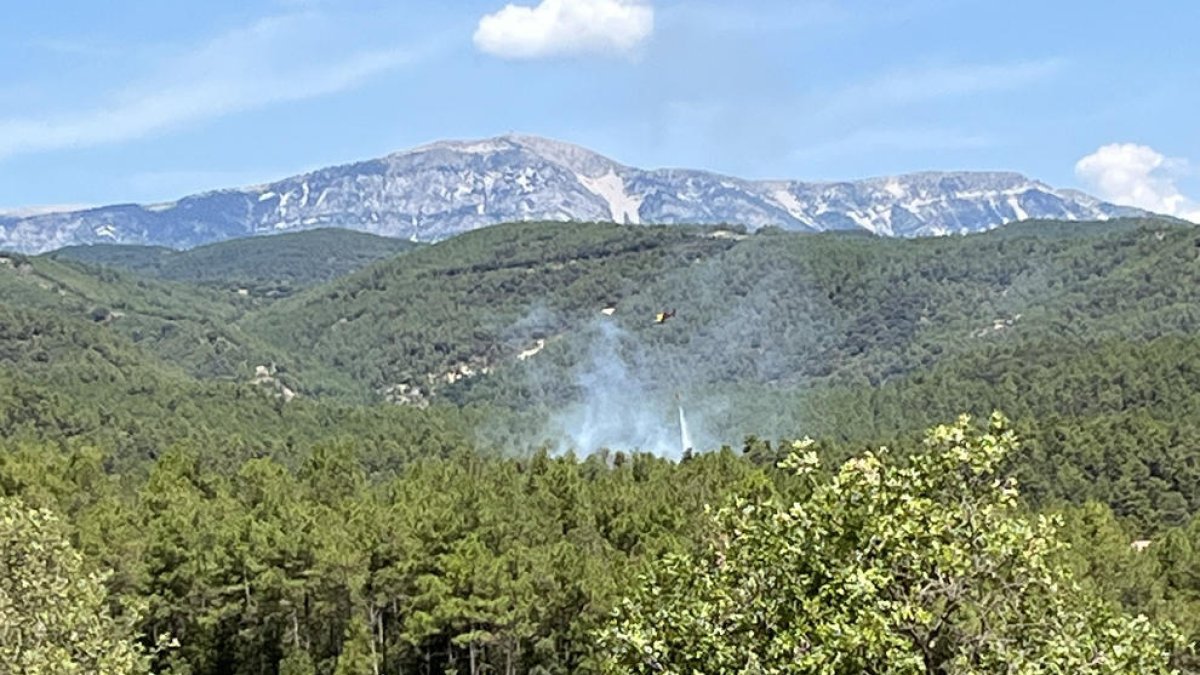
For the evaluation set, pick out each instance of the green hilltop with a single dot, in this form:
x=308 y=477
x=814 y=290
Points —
x=266 y=266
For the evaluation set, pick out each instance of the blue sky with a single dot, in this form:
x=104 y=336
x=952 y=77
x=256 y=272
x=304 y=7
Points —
x=144 y=100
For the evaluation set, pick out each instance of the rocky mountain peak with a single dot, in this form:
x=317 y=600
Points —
x=440 y=189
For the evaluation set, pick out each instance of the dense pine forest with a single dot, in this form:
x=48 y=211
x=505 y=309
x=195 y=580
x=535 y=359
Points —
x=341 y=456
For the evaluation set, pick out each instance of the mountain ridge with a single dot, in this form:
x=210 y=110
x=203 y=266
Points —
x=443 y=188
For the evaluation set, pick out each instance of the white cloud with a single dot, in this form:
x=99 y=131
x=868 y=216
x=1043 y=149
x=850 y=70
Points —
x=564 y=28
x=1138 y=175
x=278 y=59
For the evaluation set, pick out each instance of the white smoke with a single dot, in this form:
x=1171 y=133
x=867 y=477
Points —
x=620 y=408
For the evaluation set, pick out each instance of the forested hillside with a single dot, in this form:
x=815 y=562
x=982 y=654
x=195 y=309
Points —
x=1084 y=334
x=475 y=302
x=375 y=473
x=186 y=325
x=265 y=266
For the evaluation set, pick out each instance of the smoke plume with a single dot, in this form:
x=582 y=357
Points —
x=620 y=406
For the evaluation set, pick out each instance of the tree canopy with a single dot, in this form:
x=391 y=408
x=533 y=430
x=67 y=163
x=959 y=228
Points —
x=924 y=566
x=54 y=613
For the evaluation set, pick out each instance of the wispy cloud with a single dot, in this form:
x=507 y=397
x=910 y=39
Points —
x=910 y=86
x=717 y=16
x=855 y=119
x=29 y=211
x=274 y=60
x=813 y=26
x=70 y=47
x=189 y=181
x=901 y=139
x=893 y=111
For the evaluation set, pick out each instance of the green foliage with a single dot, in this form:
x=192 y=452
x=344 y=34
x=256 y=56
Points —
x=921 y=567
x=356 y=657
x=142 y=260
x=329 y=566
x=265 y=266
x=297 y=663
x=54 y=613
